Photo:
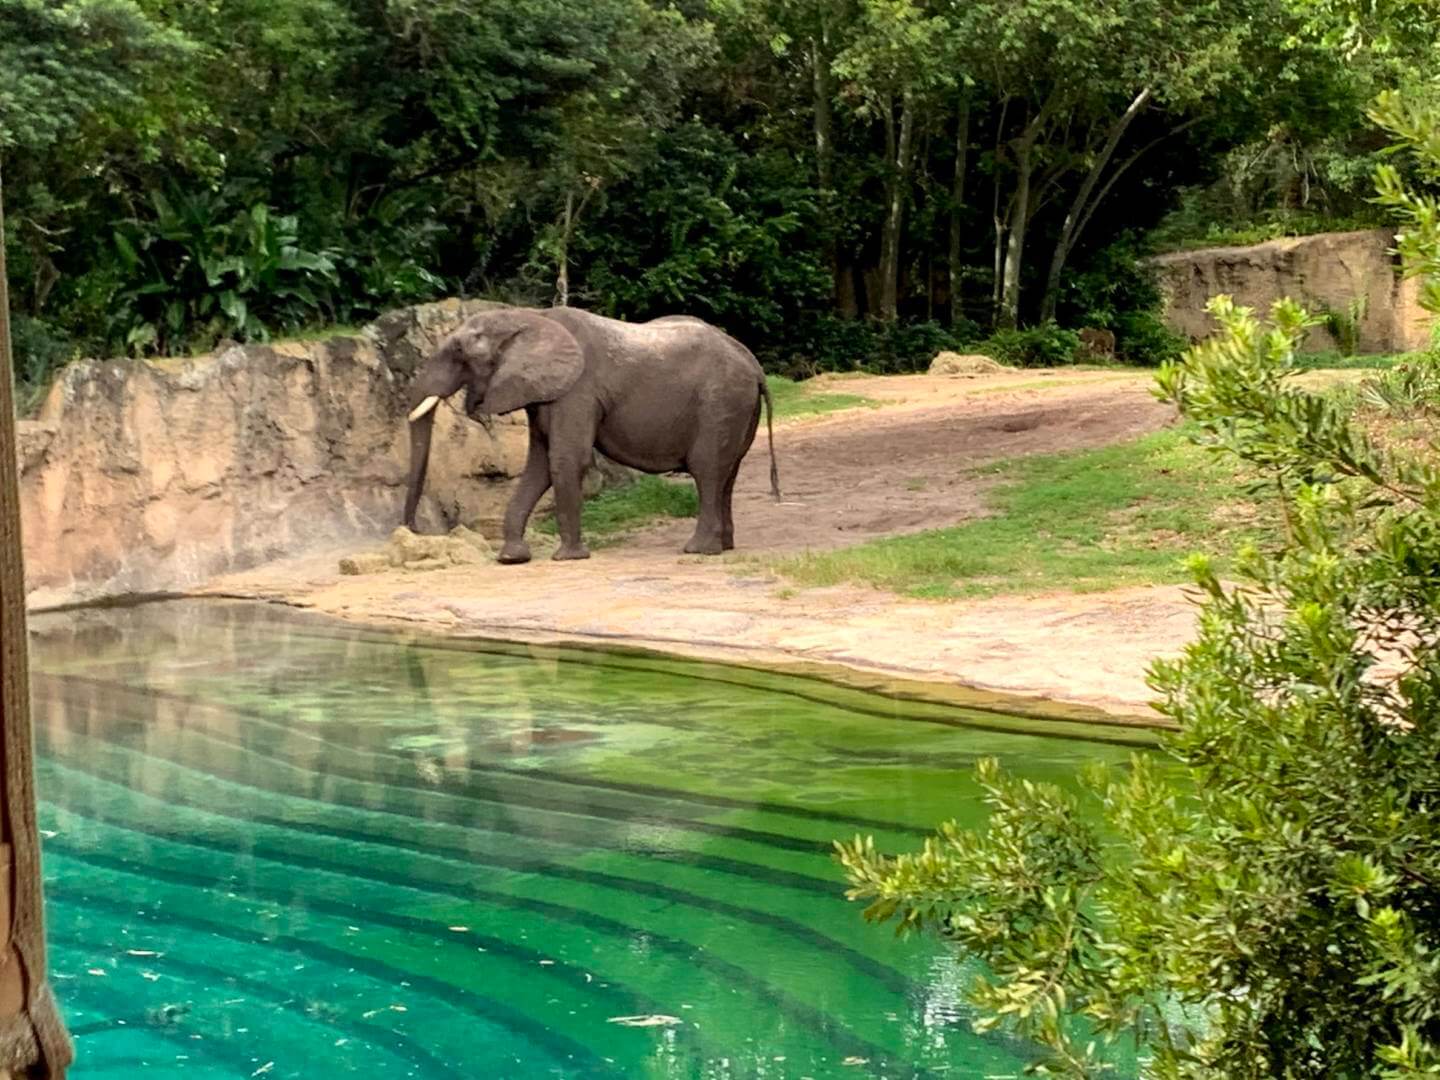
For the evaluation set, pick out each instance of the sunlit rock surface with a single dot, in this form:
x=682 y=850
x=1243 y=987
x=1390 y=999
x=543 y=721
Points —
x=1349 y=274
x=151 y=476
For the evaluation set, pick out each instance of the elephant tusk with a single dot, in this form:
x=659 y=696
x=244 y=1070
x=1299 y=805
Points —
x=423 y=408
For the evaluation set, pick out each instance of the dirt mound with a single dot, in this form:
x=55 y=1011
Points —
x=952 y=363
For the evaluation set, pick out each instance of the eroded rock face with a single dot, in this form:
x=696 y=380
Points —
x=143 y=477
x=1329 y=271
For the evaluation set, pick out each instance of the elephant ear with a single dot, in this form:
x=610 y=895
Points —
x=539 y=361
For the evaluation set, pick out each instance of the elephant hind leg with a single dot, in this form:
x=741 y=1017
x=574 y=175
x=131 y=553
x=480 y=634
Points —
x=727 y=526
x=728 y=494
x=714 y=462
x=709 y=535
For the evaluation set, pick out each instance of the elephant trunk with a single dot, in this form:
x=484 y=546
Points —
x=420 y=432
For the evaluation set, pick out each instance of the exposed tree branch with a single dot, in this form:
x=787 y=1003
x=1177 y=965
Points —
x=1068 y=231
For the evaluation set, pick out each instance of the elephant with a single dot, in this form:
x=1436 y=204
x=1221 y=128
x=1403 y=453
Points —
x=673 y=394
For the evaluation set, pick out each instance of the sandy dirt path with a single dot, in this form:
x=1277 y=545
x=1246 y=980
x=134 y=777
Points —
x=847 y=477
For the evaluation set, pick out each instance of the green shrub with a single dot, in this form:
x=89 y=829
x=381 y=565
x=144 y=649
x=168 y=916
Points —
x=830 y=343
x=1113 y=282
x=1141 y=337
x=1278 y=913
x=1410 y=388
x=199 y=267
x=708 y=230
x=1049 y=345
x=40 y=350
x=1117 y=291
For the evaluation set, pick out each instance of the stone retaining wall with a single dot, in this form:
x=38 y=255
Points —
x=1329 y=270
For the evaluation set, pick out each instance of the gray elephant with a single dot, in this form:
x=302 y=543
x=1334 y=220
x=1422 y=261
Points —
x=668 y=395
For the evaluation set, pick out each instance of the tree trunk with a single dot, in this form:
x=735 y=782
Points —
x=562 y=278
x=1021 y=212
x=33 y=1041
x=901 y=157
x=998 y=270
x=1069 y=231
x=569 y=219
x=1019 y=219
x=957 y=208
x=998 y=223
x=824 y=124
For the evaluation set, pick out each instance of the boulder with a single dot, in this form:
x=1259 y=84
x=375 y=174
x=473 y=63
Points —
x=406 y=550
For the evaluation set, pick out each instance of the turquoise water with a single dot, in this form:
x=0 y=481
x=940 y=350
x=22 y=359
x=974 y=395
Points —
x=275 y=848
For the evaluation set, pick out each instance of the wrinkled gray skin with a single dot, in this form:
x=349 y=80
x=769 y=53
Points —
x=671 y=395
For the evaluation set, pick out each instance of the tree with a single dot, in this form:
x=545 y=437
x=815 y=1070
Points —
x=1279 y=913
x=893 y=65
x=32 y=1035
x=802 y=39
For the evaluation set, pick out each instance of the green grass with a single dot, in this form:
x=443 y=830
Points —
x=1169 y=238
x=612 y=513
x=1333 y=361
x=1099 y=519
x=321 y=333
x=799 y=399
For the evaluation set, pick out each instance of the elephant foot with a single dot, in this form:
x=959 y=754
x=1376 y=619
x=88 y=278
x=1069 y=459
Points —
x=704 y=546
x=571 y=551
x=515 y=551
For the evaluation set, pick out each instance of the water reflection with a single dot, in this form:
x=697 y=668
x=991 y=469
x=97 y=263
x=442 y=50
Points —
x=274 y=845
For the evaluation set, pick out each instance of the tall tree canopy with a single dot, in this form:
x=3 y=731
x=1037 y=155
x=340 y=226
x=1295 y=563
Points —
x=818 y=175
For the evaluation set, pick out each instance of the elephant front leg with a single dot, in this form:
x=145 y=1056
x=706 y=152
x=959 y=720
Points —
x=534 y=482
x=566 y=475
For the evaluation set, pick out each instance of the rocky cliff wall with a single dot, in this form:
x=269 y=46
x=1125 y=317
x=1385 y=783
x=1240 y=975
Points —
x=1330 y=270
x=142 y=477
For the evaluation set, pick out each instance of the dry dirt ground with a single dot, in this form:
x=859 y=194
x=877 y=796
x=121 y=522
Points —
x=847 y=477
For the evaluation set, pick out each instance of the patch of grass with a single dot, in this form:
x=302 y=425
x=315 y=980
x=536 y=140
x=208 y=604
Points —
x=612 y=513
x=1176 y=235
x=1333 y=361
x=1099 y=519
x=800 y=399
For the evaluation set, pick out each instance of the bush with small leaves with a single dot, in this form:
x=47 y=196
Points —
x=1277 y=912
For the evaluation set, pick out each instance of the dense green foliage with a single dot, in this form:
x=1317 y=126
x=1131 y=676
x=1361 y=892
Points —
x=1277 y=912
x=842 y=183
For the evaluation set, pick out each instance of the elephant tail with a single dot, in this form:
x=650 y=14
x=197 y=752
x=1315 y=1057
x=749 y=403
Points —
x=770 y=431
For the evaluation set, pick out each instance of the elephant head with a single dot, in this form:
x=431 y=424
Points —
x=504 y=359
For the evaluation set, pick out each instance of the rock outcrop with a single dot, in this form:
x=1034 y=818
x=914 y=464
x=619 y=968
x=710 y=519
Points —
x=151 y=476
x=1349 y=274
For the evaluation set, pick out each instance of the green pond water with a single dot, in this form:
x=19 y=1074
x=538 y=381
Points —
x=278 y=848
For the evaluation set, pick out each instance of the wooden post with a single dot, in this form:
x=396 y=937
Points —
x=33 y=1041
